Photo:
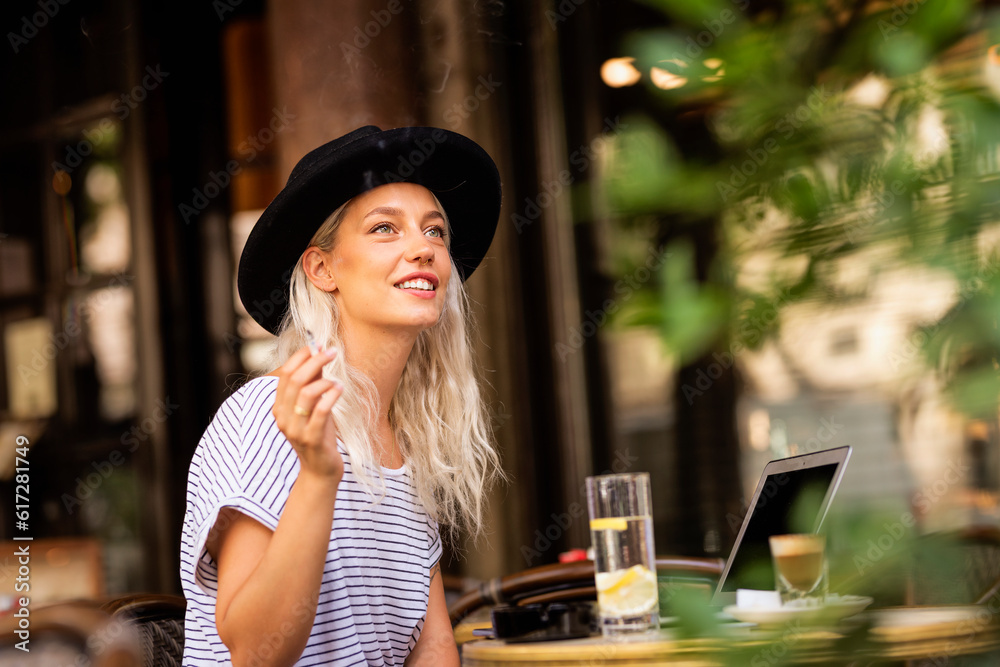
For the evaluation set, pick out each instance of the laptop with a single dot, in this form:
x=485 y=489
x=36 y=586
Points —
x=792 y=496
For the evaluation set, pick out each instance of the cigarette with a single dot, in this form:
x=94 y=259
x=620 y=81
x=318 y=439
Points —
x=311 y=342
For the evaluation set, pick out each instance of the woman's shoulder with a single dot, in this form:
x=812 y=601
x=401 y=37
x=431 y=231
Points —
x=259 y=381
x=244 y=416
x=254 y=391
x=246 y=401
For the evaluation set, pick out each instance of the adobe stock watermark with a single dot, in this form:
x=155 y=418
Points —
x=498 y=417
x=786 y=126
x=121 y=107
x=776 y=652
x=460 y=111
x=563 y=11
x=545 y=538
x=751 y=331
x=985 y=619
x=269 y=645
x=625 y=287
x=871 y=214
x=828 y=429
x=695 y=45
x=42 y=356
x=363 y=35
x=31 y=25
x=126 y=102
x=249 y=148
x=901 y=14
x=911 y=347
x=407 y=163
x=112 y=635
x=923 y=500
x=131 y=439
x=604 y=652
x=223 y=7
x=979 y=625
x=277 y=300
x=580 y=159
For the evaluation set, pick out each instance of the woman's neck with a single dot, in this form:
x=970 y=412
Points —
x=381 y=355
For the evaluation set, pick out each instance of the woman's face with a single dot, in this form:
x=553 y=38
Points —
x=389 y=262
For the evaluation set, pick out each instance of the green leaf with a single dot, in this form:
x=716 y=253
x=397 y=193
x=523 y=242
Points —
x=700 y=12
x=647 y=174
x=901 y=52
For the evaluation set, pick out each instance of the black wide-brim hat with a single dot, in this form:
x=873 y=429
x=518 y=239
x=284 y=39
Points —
x=456 y=169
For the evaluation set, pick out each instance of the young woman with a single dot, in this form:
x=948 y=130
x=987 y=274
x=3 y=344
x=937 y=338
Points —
x=314 y=497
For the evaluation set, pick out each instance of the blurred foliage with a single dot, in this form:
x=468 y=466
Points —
x=826 y=134
x=685 y=311
x=874 y=553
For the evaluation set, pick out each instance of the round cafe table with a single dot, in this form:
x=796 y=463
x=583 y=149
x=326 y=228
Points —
x=587 y=651
x=904 y=634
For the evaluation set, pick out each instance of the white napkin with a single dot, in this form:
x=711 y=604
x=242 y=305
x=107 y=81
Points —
x=751 y=599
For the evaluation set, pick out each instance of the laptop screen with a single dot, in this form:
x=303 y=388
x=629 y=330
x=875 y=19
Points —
x=789 y=502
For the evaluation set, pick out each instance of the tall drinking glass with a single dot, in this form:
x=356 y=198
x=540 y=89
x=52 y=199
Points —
x=621 y=529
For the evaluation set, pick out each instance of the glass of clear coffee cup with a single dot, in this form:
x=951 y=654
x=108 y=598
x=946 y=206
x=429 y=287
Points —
x=800 y=568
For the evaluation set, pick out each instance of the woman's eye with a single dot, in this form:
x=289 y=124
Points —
x=436 y=232
x=384 y=226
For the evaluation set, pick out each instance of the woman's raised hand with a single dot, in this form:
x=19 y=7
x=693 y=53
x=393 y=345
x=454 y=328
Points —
x=302 y=411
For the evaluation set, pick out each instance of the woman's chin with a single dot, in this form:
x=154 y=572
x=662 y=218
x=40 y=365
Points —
x=418 y=322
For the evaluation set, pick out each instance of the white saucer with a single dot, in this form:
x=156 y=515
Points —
x=837 y=607
x=908 y=623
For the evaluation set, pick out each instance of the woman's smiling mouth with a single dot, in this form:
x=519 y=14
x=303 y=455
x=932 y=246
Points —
x=423 y=284
x=420 y=284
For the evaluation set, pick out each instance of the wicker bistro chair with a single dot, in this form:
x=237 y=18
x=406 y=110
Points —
x=566 y=582
x=956 y=567
x=159 y=623
x=68 y=633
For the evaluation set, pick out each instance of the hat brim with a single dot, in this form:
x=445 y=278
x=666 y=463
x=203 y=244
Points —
x=456 y=169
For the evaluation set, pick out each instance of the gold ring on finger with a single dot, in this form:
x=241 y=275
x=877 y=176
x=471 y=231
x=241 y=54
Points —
x=301 y=411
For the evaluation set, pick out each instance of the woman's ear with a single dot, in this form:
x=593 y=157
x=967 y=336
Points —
x=317 y=266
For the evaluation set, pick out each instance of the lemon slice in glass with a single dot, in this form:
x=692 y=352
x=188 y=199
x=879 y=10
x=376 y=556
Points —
x=610 y=523
x=628 y=592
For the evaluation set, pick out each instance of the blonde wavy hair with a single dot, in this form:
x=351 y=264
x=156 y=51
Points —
x=439 y=417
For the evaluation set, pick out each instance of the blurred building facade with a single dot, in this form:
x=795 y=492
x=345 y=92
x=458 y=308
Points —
x=138 y=143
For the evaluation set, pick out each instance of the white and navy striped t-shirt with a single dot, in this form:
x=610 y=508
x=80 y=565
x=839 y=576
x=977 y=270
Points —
x=373 y=597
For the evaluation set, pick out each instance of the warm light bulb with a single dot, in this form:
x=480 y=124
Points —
x=666 y=80
x=620 y=72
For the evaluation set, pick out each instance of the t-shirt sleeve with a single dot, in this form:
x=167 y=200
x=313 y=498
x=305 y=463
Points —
x=244 y=462
x=434 y=542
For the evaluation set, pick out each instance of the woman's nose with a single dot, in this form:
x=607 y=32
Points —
x=419 y=249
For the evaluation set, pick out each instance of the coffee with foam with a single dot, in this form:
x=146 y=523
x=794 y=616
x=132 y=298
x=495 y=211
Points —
x=798 y=563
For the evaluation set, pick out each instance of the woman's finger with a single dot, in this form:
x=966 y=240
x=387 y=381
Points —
x=284 y=372
x=312 y=366
x=316 y=427
x=293 y=362
x=309 y=396
x=295 y=378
